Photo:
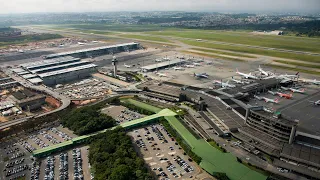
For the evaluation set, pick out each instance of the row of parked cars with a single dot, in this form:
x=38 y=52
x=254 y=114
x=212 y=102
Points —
x=77 y=164
x=16 y=170
x=35 y=171
x=49 y=137
x=38 y=141
x=63 y=135
x=27 y=146
x=63 y=166
x=13 y=163
x=49 y=170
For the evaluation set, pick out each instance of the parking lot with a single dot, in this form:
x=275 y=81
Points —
x=121 y=114
x=72 y=164
x=163 y=154
x=86 y=88
x=15 y=155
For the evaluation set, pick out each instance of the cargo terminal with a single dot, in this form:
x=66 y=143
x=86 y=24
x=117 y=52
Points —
x=56 y=71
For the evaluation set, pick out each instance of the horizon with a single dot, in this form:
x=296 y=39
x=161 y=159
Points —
x=220 y=6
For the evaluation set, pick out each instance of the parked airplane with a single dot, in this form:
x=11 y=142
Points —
x=196 y=64
x=158 y=60
x=237 y=81
x=263 y=71
x=161 y=75
x=311 y=81
x=189 y=66
x=287 y=96
x=317 y=103
x=166 y=59
x=248 y=76
x=81 y=43
x=271 y=100
x=127 y=66
x=292 y=76
x=294 y=90
x=222 y=84
x=201 y=75
x=178 y=68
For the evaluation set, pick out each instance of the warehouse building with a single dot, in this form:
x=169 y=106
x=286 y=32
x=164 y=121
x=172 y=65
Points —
x=28 y=100
x=98 y=51
x=56 y=71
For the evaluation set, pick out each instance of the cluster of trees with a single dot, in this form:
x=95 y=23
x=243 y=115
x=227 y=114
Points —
x=112 y=156
x=30 y=38
x=87 y=120
x=181 y=142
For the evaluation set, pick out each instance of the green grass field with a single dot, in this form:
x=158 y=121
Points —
x=213 y=56
x=290 y=43
x=224 y=53
x=294 y=69
x=116 y=27
x=148 y=38
x=300 y=57
x=298 y=64
x=142 y=105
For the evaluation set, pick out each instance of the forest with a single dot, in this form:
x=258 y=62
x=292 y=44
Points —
x=113 y=157
x=87 y=120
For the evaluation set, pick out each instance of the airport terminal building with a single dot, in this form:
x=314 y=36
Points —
x=287 y=134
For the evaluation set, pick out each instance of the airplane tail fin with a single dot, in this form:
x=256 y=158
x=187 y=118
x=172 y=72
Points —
x=303 y=90
x=237 y=69
x=297 y=73
x=194 y=74
x=276 y=100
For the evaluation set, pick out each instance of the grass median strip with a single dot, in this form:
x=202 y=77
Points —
x=263 y=52
x=222 y=52
x=148 y=38
x=298 y=64
x=213 y=56
x=294 y=69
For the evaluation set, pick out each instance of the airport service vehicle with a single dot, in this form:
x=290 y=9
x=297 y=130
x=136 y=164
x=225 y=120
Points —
x=222 y=84
x=201 y=75
x=178 y=68
x=317 y=103
x=189 y=66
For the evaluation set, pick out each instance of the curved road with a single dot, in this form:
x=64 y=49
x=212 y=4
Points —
x=65 y=102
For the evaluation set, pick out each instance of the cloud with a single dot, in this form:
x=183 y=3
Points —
x=27 y=6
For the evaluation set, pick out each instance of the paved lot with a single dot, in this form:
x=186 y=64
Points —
x=161 y=153
x=121 y=114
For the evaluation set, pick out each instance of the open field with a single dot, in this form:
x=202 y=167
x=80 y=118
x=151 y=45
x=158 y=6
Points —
x=212 y=56
x=149 y=38
x=294 y=69
x=298 y=64
x=116 y=27
x=27 y=38
x=305 y=44
x=224 y=53
x=301 y=57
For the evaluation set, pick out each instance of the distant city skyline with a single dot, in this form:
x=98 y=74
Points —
x=224 y=6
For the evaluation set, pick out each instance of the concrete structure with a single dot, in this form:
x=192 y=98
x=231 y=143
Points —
x=28 y=100
x=56 y=71
x=115 y=63
x=162 y=65
x=91 y=52
x=7 y=82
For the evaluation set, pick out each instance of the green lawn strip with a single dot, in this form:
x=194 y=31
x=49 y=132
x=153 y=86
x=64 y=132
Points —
x=214 y=160
x=217 y=146
x=142 y=105
x=298 y=64
x=297 y=44
x=287 y=55
x=213 y=56
x=224 y=53
x=148 y=38
x=294 y=69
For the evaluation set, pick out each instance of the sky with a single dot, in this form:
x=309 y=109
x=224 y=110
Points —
x=33 y=6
